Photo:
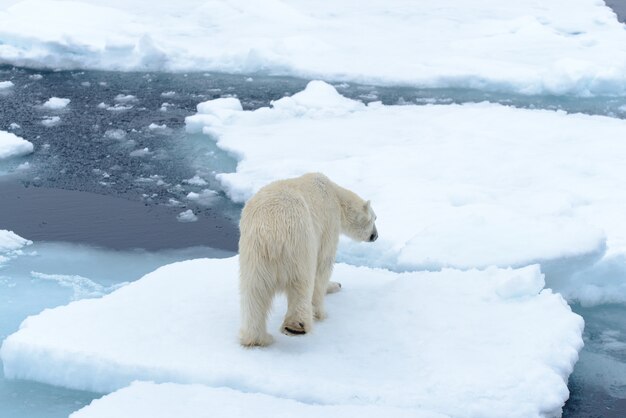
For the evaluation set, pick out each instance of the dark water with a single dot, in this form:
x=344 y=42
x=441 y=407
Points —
x=83 y=185
x=619 y=7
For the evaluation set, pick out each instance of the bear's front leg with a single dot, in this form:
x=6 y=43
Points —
x=299 y=318
x=323 y=285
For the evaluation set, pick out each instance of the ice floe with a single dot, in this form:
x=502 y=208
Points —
x=145 y=399
x=457 y=343
x=12 y=145
x=56 y=103
x=187 y=216
x=528 y=47
x=454 y=185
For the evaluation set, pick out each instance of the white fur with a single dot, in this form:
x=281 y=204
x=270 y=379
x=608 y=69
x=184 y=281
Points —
x=289 y=235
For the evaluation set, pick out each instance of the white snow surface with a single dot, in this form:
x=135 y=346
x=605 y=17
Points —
x=456 y=185
x=167 y=400
x=11 y=245
x=187 y=216
x=12 y=145
x=449 y=342
x=56 y=103
x=556 y=46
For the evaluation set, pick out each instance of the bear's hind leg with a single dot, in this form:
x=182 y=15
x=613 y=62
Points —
x=256 y=300
x=299 y=318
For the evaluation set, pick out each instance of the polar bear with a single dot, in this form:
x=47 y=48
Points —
x=289 y=235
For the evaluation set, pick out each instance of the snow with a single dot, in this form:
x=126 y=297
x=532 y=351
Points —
x=6 y=85
x=529 y=47
x=144 y=399
x=11 y=245
x=12 y=145
x=206 y=197
x=56 y=103
x=446 y=342
x=157 y=127
x=196 y=181
x=187 y=216
x=463 y=186
x=125 y=98
x=459 y=186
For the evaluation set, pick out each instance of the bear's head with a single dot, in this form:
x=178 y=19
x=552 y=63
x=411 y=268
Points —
x=360 y=222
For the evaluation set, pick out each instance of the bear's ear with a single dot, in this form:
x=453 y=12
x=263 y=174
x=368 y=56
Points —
x=367 y=205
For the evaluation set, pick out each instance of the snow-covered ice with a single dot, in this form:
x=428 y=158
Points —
x=206 y=197
x=187 y=216
x=527 y=47
x=12 y=145
x=157 y=127
x=449 y=342
x=453 y=185
x=167 y=400
x=196 y=181
x=6 y=85
x=125 y=98
x=56 y=103
x=11 y=245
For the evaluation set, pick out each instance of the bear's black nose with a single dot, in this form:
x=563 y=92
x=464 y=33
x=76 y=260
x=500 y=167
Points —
x=374 y=236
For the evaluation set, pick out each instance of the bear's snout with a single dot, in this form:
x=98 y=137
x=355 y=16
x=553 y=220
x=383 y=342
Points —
x=374 y=235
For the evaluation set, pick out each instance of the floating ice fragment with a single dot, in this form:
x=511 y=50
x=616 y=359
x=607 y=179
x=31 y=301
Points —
x=128 y=98
x=56 y=103
x=6 y=84
x=156 y=127
x=11 y=245
x=12 y=145
x=196 y=181
x=50 y=121
x=206 y=197
x=117 y=134
x=187 y=216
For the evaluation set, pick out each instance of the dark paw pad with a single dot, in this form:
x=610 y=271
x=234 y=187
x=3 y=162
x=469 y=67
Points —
x=295 y=329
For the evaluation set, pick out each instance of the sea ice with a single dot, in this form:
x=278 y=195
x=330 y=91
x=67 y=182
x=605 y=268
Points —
x=453 y=185
x=196 y=181
x=157 y=127
x=206 y=197
x=443 y=342
x=11 y=245
x=12 y=145
x=125 y=98
x=187 y=216
x=56 y=103
x=167 y=400
x=6 y=84
x=529 y=47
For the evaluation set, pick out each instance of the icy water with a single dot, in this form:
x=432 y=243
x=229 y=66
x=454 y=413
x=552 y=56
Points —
x=102 y=193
